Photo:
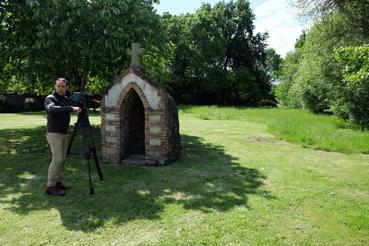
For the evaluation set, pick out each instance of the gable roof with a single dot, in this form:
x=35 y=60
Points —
x=135 y=71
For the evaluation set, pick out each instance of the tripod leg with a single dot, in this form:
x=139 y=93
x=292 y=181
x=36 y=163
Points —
x=71 y=139
x=87 y=155
x=93 y=150
x=91 y=192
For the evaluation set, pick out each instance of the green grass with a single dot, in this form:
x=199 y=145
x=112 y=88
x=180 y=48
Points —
x=235 y=184
x=323 y=132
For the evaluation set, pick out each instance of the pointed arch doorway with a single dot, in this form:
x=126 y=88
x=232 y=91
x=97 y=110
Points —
x=132 y=127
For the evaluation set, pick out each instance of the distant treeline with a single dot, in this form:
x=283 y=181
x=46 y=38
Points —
x=13 y=102
x=328 y=72
x=213 y=56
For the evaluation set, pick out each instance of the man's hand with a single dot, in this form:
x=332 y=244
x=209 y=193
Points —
x=77 y=110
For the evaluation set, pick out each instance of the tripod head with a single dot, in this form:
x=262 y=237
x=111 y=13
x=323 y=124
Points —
x=82 y=118
x=85 y=100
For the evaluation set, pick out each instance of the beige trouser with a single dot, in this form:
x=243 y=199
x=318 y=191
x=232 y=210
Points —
x=58 y=144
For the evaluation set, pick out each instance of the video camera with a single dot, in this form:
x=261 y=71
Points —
x=86 y=99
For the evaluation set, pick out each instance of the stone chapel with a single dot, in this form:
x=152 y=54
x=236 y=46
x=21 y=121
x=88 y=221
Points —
x=139 y=119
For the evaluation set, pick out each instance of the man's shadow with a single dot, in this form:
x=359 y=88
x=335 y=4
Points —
x=205 y=178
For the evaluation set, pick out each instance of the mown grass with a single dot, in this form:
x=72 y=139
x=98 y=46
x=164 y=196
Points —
x=323 y=132
x=235 y=184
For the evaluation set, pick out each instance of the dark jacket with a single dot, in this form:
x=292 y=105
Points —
x=58 y=108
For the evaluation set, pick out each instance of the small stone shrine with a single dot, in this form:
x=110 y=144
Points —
x=139 y=119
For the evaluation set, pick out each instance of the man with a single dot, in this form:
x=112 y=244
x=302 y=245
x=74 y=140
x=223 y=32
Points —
x=58 y=107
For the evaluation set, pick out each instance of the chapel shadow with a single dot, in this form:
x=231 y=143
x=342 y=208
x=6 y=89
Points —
x=205 y=178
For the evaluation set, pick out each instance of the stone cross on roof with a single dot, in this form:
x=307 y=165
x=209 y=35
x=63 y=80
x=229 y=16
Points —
x=135 y=53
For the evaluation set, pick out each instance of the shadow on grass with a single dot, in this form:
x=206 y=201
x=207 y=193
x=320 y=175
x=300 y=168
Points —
x=204 y=179
x=43 y=113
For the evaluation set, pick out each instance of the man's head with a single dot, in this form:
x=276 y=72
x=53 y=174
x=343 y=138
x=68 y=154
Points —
x=61 y=86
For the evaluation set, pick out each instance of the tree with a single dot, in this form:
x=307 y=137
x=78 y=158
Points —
x=79 y=40
x=315 y=81
x=354 y=12
x=217 y=57
x=287 y=93
x=273 y=63
x=353 y=98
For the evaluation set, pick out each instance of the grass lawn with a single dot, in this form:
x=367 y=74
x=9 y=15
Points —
x=246 y=177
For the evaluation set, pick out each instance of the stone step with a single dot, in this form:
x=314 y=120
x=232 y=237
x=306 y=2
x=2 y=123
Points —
x=134 y=160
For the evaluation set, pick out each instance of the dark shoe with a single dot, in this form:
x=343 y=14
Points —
x=53 y=191
x=60 y=186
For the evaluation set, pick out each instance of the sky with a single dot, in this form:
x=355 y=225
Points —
x=276 y=17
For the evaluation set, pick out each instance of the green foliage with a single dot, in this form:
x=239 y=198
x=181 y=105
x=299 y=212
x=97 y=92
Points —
x=353 y=91
x=273 y=63
x=287 y=93
x=356 y=11
x=318 y=73
x=73 y=39
x=210 y=57
x=310 y=75
x=217 y=57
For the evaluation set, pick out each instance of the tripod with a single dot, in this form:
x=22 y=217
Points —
x=89 y=148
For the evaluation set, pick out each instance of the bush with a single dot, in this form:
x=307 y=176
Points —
x=353 y=93
x=14 y=102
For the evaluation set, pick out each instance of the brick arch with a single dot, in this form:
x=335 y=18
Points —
x=158 y=145
x=138 y=90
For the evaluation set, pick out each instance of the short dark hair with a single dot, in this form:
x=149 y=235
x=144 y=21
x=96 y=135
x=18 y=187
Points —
x=63 y=80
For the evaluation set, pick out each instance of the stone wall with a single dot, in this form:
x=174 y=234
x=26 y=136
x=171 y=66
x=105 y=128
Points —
x=162 y=142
